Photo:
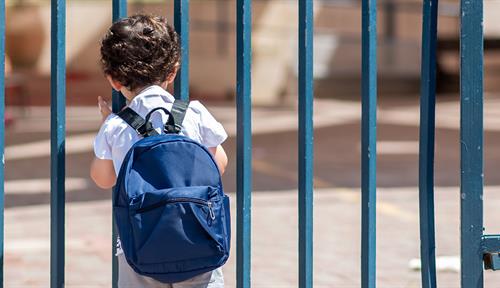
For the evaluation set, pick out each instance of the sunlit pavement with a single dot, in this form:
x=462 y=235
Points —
x=274 y=250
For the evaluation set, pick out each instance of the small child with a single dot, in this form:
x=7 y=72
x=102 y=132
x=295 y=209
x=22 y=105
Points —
x=140 y=56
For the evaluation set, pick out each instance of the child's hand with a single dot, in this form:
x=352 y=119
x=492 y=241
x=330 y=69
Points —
x=103 y=108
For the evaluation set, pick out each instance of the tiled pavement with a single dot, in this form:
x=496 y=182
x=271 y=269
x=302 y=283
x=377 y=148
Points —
x=274 y=240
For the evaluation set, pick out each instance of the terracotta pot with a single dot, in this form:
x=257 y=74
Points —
x=24 y=35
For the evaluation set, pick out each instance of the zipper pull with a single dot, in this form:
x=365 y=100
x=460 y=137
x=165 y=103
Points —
x=210 y=210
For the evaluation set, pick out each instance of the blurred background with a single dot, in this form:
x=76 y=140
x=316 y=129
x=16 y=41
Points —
x=337 y=80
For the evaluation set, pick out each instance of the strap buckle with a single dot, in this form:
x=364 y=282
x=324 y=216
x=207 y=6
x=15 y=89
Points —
x=145 y=129
x=176 y=128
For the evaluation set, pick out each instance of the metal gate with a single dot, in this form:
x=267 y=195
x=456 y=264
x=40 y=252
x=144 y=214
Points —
x=475 y=247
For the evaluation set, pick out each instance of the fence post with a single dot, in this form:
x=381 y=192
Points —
x=368 y=143
x=2 y=136
x=306 y=143
x=244 y=141
x=119 y=11
x=181 y=23
x=471 y=139
x=426 y=153
x=57 y=132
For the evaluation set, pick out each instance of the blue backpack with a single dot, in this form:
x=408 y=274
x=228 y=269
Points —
x=170 y=209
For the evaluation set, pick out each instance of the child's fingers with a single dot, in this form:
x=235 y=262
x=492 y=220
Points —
x=103 y=105
x=100 y=101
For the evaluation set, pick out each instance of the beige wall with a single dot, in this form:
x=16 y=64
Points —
x=213 y=70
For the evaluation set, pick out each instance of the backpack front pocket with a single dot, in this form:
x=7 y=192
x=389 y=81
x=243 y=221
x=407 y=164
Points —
x=177 y=228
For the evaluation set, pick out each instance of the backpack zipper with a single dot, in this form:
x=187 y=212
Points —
x=212 y=214
x=209 y=204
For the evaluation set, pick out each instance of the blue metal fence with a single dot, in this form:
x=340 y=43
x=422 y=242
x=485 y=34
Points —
x=368 y=142
x=244 y=141
x=118 y=102
x=475 y=245
x=426 y=152
x=471 y=139
x=181 y=23
x=306 y=95
x=57 y=135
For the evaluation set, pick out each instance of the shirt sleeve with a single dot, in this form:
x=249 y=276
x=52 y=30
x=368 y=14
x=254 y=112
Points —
x=211 y=131
x=102 y=147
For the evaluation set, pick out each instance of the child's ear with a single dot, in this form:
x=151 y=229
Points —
x=171 y=77
x=115 y=84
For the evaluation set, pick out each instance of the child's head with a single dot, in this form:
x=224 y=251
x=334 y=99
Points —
x=139 y=51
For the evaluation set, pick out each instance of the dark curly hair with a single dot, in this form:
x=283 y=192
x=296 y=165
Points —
x=140 y=50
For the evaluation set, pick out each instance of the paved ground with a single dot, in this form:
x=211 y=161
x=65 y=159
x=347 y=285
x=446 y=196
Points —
x=337 y=211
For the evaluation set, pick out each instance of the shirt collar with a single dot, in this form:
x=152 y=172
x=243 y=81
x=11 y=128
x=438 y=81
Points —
x=152 y=91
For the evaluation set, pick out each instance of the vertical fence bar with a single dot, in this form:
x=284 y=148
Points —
x=244 y=140
x=119 y=11
x=181 y=23
x=426 y=154
x=368 y=143
x=306 y=95
x=57 y=134
x=471 y=139
x=2 y=135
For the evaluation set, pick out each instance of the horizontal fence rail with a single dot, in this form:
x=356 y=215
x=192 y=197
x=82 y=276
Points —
x=491 y=243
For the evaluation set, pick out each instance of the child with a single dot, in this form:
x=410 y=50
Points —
x=140 y=56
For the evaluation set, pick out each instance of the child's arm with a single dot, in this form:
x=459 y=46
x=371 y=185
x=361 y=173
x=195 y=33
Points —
x=103 y=173
x=212 y=134
x=220 y=157
x=102 y=170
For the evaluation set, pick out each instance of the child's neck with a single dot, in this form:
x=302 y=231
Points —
x=129 y=95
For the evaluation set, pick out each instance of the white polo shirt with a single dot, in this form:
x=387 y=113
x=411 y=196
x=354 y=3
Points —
x=116 y=137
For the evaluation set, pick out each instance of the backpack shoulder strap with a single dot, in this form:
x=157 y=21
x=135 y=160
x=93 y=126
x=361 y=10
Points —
x=135 y=121
x=179 y=109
